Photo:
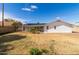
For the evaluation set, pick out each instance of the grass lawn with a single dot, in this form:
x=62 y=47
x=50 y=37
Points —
x=22 y=42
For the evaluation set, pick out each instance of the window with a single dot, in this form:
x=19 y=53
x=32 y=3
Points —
x=47 y=27
x=54 y=27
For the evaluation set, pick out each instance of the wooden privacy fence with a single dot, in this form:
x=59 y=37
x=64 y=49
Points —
x=6 y=29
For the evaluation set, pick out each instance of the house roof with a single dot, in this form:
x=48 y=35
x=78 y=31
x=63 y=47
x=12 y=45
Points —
x=51 y=24
x=58 y=23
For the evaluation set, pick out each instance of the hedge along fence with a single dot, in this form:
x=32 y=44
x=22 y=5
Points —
x=7 y=29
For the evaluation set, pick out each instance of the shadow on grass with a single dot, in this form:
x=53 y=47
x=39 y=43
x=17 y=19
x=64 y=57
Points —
x=5 y=48
x=8 y=38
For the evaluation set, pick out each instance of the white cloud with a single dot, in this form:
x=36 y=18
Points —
x=31 y=8
x=34 y=7
x=26 y=9
x=58 y=18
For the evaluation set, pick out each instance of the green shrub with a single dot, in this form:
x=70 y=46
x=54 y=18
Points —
x=44 y=50
x=3 y=53
x=34 y=31
x=52 y=47
x=35 y=51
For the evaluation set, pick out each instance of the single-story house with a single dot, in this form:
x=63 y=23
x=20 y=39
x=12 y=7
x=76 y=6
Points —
x=58 y=26
x=29 y=26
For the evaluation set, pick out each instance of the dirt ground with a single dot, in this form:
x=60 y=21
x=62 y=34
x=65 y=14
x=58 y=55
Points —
x=62 y=43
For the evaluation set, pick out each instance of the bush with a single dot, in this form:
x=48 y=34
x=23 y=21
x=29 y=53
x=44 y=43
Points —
x=35 y=51
x=52 y=47
x=45 y=51
x=34 y=31
x=3 y=53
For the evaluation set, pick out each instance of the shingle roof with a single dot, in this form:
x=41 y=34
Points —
x=59 y=22
x=36 y=23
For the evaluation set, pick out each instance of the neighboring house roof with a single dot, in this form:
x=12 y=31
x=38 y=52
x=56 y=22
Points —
x=35 y=24
x=58 y=23
x=6 y=23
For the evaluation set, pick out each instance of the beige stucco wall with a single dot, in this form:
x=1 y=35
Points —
x=75 y=29
x=59 y=29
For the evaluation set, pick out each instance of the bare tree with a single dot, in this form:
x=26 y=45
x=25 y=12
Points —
x=17 y=25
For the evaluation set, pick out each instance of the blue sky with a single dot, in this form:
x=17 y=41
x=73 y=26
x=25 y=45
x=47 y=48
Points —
x=42 y=12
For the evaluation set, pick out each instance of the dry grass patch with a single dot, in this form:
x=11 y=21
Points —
x=55 y=43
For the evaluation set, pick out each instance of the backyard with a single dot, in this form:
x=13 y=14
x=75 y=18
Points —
x=55 y=43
